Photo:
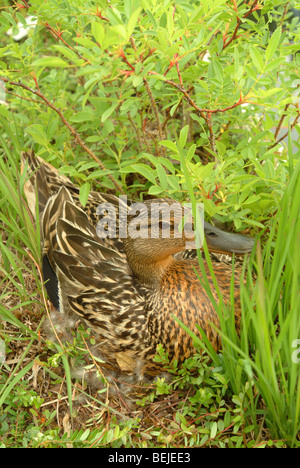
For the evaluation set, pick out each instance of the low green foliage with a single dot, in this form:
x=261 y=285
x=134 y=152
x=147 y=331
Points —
x=194 y=101
x=270 y=329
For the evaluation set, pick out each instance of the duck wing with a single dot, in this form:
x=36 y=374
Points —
x=93 y=283
x=45 y=181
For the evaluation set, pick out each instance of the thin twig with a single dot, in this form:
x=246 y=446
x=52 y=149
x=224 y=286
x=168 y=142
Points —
x=204 y=113
x=234 y=36
x=178 y=71
x=58 y=36
x=286 y=134
x=17 y=95
x=136 y=131
x=186 y=96
x=211 y=133
x=151 y=97
x=154 y=107
x=47 y=403
x=286 y=9
x=281 y=120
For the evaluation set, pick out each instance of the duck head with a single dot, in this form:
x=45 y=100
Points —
x=164 y=227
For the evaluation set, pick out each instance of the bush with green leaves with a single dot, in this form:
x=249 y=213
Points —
x=101 y=89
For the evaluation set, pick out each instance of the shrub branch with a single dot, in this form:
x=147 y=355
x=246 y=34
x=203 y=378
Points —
x=151 y=97
x=226 y=41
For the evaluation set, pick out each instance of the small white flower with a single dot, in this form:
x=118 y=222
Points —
x=31 y=22
x=206 y=57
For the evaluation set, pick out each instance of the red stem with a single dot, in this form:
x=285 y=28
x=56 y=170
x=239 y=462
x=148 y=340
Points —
x=234 y=36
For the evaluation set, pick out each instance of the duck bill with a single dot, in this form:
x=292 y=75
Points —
x=226 y=242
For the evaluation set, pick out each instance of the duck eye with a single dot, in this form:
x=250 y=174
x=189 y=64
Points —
x=163 y=225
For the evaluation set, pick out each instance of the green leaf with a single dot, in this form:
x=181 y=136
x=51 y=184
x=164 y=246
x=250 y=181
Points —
x=70 y=54
x=21 y=19
x=87 y=166
x=51 y=62
x=4 y=111
x=98 y=32
x=174 y=182
x=221 y=148
x=251 y=72
x=157 y=76
x=137 y=81
x=121 y=30
x=109 y=111
x=133 y=21
x=162 y=175
x=152 y=19
x=170 y=21
x=213 y=430
x=183 y=136
x=273 y=43
x=155 y=190
x=168 y=164
x=257 y=58
x=4 y=21
x=275 y=63
x=253 y=223
x=38 y=134
x=215 y=70
x=163 y=20
x=94 y=139
x=85 y=41
x=82 y=116
x=252 y=199
x=97 y=174
x=145 y=170
x=66 y=364
x=191 y=152
x=169 y=144
x=270 y=92
x=9 y=17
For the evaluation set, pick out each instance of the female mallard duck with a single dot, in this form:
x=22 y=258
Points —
x=127 y=291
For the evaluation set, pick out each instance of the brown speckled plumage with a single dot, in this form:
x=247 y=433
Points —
x=182 y=294
x=124 y=294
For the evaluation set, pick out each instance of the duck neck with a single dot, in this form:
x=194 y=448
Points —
x=149 y=273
